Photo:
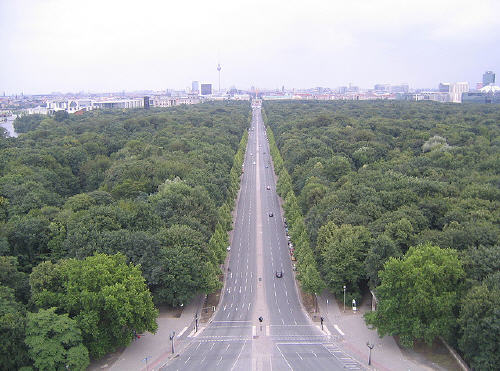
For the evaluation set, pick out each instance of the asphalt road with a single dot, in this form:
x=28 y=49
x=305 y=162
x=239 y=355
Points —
x=286 y=339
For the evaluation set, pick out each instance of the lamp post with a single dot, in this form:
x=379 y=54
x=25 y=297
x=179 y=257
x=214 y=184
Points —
x=344 y=298
x=172 y=340
x=370 y=346
x=196 y=322
x=146 y=360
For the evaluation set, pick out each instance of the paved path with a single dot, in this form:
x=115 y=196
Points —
x=157 y=347
x=354 y=333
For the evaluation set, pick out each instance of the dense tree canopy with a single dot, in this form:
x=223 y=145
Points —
x=407 y=174
x=55 y=342
x=157 y=186
x=106 y=297
x=418 y=295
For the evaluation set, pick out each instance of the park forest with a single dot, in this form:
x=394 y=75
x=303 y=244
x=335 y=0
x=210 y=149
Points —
x=107 y=215
x=104 y=217
x=403 y=199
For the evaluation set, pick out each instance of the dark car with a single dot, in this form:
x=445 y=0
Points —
x=279 y=274
x=271 y=214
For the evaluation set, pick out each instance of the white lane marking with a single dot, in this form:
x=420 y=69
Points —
x=299 y=356
x=326 y=330
x=239 y=354
x=254 y=330
x=277 y=346
x=220 y=360
x=224 y=307
x=338 y=329
x=182 y=331
x=267 y=330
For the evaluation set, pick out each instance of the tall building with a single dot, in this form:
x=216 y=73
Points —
x=195 y=87
x=456 y=91
x=206 y=89
x=444 y=87
x=488 y=78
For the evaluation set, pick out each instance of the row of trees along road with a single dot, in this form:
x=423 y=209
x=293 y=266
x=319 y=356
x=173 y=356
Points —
x=103 y=217
x=403 y=198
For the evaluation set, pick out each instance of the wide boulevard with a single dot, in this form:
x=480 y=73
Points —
x=235 y=339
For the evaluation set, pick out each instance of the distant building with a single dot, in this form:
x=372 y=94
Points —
x=444 y=87
x=195 y=87
x=119 y=103
x=456 y=91
x=146 y=102
x=488 y=78
x=485 y=96
x=403 y=88
x=206 y=89
x=382 y=87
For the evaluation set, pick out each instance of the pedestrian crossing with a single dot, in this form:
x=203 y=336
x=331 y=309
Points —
x=343 y=358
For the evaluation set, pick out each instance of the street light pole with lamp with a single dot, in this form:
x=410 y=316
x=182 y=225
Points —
x=344 y=298
x=172 y=340
x=370 y=346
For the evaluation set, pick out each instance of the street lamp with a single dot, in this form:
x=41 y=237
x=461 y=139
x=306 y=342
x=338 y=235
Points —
x=344 y=298
x=172 y=340
x=196 y=322
x=146 y=360
x=370 y=346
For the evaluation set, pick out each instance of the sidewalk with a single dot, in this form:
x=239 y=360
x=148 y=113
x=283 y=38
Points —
x=386 y=354
x=156 y=347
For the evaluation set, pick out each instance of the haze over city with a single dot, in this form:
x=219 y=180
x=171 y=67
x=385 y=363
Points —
x=123 y=45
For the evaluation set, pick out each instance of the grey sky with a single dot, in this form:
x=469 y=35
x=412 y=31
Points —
x=113 y=45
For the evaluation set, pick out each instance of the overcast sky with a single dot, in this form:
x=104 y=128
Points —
x=114 y=45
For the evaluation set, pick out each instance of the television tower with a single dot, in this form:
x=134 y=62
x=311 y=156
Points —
x=219 y=67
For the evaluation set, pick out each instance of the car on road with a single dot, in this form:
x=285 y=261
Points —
x=254 y=163
x=279 y=274
x=271 y=214
x=268 y=188
x=267 y=166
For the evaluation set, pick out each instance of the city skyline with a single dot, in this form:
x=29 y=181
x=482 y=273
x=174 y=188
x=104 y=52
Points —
x=61 y=46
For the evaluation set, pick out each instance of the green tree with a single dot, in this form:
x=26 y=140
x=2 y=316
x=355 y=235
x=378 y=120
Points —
x=11 y=277
x=107 y=298
x=418 y=295
x=55 y=341
x=479 y=322
x=13 y=351
x=343 y=251
x=382 y=248
x=182 y=274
